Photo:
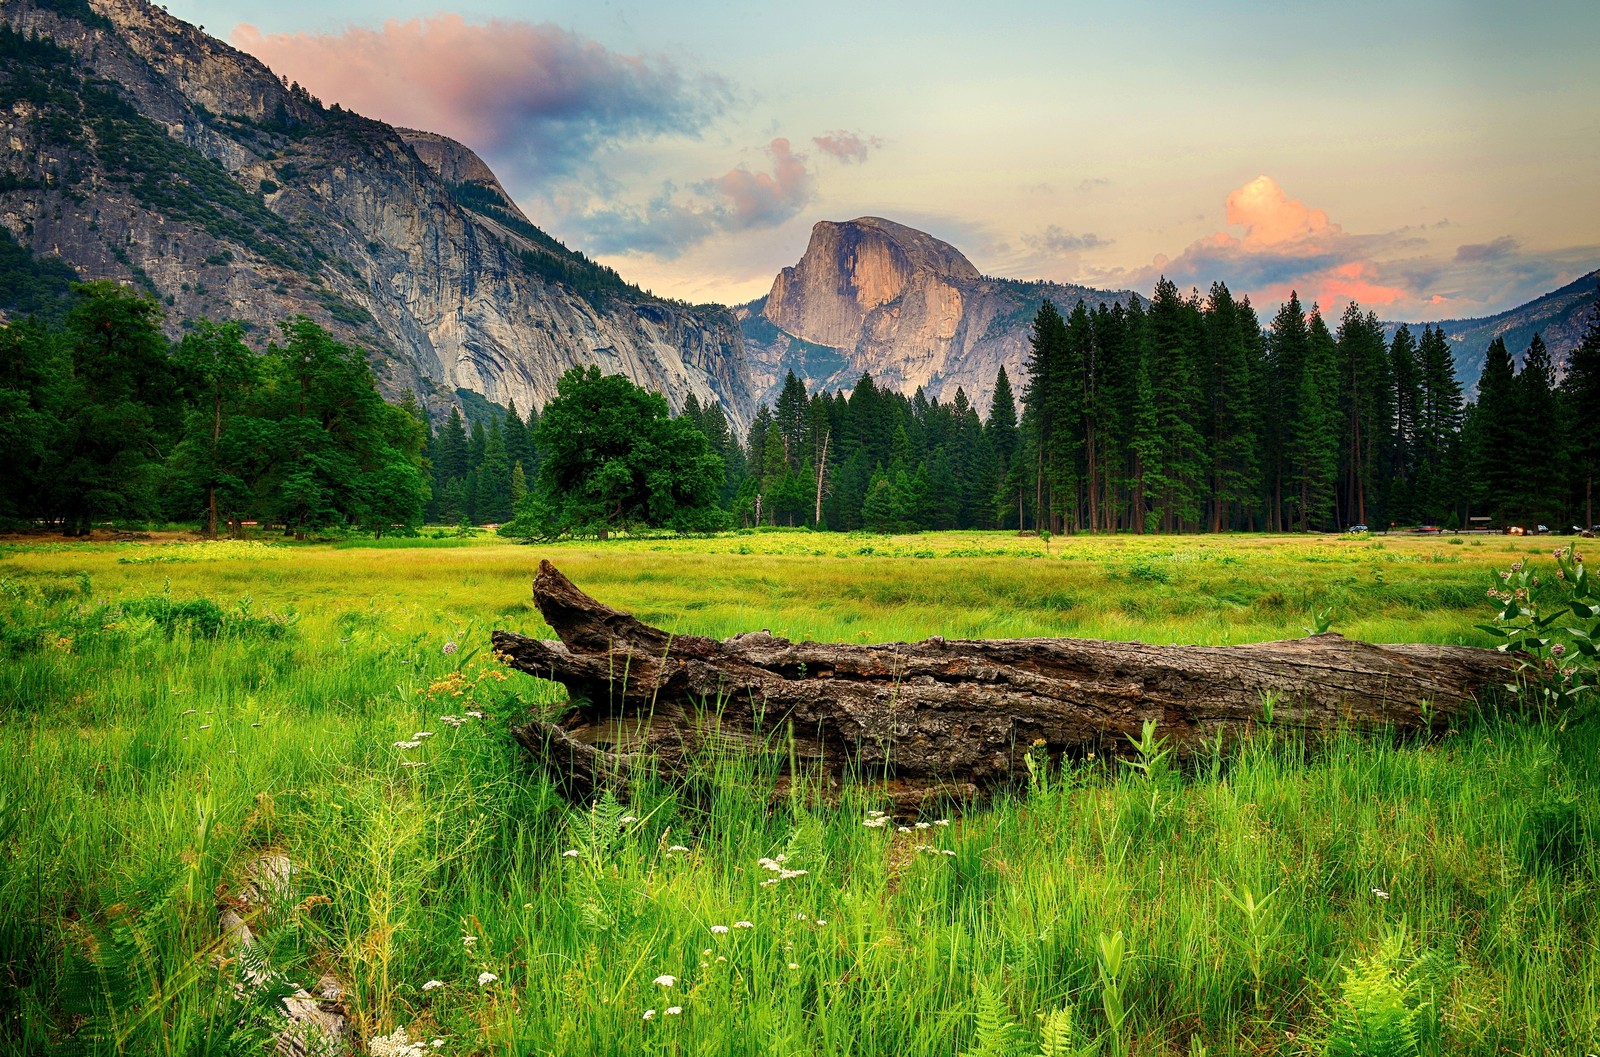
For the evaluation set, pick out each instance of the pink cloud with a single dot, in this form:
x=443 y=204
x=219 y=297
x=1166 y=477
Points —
x=548 y=94
x=754 y=197
x=1285 y=246
x=848 y=147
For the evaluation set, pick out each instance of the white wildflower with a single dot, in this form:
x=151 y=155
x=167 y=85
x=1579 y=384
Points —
x=876 y=823
x=433 y=985
x=941 y=822
x=744 y=924
x=794 y=965
x=902 y=829
x=398 y=1044
x=673 y=1011
x=627 y=820
x=486 y=978
x=407 y=744
x=1380 y=893
x=474 y=713
x=468 y=941
x=821 y=922
x=436 y=1043
x=412 y=763
x=419 y=735
x=665 y=980
x=649 y=1014
x=677 y=848
x=946 y=851
x=718 y=930
x=570 y=853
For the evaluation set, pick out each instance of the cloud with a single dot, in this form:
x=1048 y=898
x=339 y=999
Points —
x=1499 y=249
x=675 y=219
x=540 y=98
x=847 y=147
x=1281 y=244
x=1286 y=245
x=1054 y=240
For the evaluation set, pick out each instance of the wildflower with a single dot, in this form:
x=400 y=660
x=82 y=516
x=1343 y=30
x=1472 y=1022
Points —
x=468 y=941
x=412 y=763
x=570 y=853
x=1380 y=893
x=665 y=980
x=821 y=922
x=450 y=647
x=794 y=965
x=436 y=1043
x=876 y=823
x=485 y=979
x=946 y=851
x=398 y=744
x=941 y=822
x=721 y=958
x=719 y=930
x=419 y=735
x=187 y=712
x=649 y=1014
x=627 y=820
x=677 y=848
x=902 y=829
x=706 y=952
x=744 y=924
x=924 y=825
x=474 y=713
x=433 y=985
x=1557 y=650
x=673 y=1011
x=801 y=915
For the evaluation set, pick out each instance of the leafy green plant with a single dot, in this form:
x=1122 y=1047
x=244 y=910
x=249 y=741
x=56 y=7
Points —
x=1261 y=927
x=1380 y=1006
x=1110 y=952
x=1559 y=643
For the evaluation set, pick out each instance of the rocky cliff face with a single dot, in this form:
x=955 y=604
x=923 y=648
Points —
x=870 y=295
x=134 y=147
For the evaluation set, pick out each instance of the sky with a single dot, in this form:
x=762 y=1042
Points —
x=1430 y=159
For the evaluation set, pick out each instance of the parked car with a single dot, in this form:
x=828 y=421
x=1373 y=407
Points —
x=1358 y=529
x=1516 y=530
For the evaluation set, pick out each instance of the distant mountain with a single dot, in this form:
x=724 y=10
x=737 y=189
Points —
x=135 y=147
x=870 y=295
x=1560 y=317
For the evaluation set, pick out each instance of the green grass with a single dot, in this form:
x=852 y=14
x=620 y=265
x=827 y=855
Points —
x=125 y=817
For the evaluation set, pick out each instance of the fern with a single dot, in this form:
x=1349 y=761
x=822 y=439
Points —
x=1381 y=1005
x=997 y=1035
x=1058 y=1035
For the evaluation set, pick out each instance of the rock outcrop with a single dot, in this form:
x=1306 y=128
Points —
x=135 y=147
x=870 y=295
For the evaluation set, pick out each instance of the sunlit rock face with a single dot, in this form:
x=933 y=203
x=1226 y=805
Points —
x=870 y=295
x=260 y=204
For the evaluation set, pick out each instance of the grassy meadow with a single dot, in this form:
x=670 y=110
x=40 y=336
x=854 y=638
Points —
x=173 y=712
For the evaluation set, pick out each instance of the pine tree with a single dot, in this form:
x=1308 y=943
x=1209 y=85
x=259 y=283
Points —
x=1540 y=484
x=1405 y=378
x=1495 y=458
x=1440 y=456
x=1580 y=394
x=1288 y=350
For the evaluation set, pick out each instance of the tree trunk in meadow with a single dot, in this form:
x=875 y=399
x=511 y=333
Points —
x=951 y=717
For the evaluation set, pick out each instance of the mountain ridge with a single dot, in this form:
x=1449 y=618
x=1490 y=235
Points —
x=135 y=147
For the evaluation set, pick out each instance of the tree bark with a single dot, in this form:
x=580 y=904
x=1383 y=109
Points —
x=952 y=717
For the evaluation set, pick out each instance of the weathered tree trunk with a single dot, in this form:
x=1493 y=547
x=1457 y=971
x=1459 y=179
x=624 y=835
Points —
x=952 y=717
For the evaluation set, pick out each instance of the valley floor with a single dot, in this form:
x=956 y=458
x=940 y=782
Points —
x=176 y=711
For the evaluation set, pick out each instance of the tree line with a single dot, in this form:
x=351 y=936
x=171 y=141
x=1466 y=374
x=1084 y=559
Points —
x=1185 y=414
x=1179 y=414
x=102 y=418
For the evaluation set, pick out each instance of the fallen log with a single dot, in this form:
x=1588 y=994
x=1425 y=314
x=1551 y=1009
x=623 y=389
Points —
x=947 y=717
